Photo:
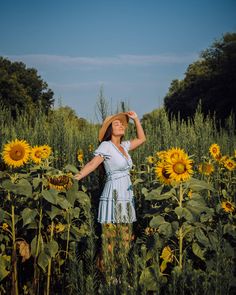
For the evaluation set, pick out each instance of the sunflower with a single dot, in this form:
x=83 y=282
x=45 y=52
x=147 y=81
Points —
x=174 y=153
x=150 y=159
x=214 y=150
x=230 y=164
x=206 y=168
x=47 y=150
x=37 y=154
x=16 y=153
x=179 y=168
x=161 y=173
x=59 y=227
x=167 y=256
x=161 y=155
x=228 y=206
x=80 y=155
x=60 y=182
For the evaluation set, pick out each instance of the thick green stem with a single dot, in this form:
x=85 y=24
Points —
x=14 y=258
x=181 y=229
x=68 y=234
x=36 y=271
x=50 y=262
x=181 y=247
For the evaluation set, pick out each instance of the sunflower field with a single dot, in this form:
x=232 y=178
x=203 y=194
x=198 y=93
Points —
x=184 y=182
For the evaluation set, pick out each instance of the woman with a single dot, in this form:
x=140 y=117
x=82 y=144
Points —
x=116 y=203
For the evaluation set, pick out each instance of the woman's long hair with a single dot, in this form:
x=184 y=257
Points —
x=101 y=169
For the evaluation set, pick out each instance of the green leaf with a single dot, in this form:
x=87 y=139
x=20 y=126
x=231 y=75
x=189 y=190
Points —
x=75 y=212
x=4 y=263
x=214 y=240
x=197 y=251
x=201 y=237
x=156 y=221
x=28 y=215
x=43 y=260
x=63 y=203
x=50 y=196
x=144 y=191
x=33 y=244
x=138 y=180
x=54 y=212
x=72 y=196
x=36 y=182
x=84 y=199
x=165 y=229
x=199 y=185
x=4 y=216
x=148 y=278
x=156 y=194
x=230 y=229
x=23 y=187
x=187 y=214
x=71 y=168
x=52 y=248
x=179 y=211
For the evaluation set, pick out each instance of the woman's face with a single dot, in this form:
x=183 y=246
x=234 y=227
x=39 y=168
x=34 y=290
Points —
x=118 y=128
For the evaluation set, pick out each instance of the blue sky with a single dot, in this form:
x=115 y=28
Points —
x=133 y=48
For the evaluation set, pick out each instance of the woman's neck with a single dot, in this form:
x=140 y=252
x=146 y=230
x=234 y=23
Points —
x=116 y=140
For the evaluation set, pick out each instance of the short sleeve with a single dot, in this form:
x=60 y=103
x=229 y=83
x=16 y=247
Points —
x=103 y=150
x=126 y=144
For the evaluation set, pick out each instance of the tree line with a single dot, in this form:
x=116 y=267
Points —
x=210 y=80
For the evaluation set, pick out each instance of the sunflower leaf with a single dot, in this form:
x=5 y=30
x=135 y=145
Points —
x=28 y=215
x=50 y=196
x=71 y=168
x=197 y=250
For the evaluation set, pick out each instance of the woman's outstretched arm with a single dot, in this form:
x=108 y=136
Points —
x=141 y=138
x=89 y=167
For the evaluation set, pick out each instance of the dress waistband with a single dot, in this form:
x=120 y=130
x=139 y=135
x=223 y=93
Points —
x=116 y=175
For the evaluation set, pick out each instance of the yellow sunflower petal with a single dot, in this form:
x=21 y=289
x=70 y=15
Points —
x=16 y=153
x=37 y=154
x=47 y=150
x=179 y=167
x=230 y=164
x=214 y=150
x=206 y=168
x=228 y=206
x=161 y=173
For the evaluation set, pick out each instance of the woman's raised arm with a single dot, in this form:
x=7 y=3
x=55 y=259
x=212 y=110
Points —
x=141 y=138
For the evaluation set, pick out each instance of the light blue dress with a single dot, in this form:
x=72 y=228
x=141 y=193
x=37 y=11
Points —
x=116 y=204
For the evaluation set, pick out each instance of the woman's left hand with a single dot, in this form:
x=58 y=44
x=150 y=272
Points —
x=132 y=115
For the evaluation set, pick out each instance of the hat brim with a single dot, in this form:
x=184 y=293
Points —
x=123 y=117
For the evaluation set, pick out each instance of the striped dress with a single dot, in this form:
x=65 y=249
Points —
x=116 y=204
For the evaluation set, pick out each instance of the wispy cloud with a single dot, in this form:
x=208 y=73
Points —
x=119 y=60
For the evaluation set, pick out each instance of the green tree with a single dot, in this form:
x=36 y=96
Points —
x=211 y=79
x=22 y=89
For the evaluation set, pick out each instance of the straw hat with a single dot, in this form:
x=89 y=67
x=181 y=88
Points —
x=123 y=117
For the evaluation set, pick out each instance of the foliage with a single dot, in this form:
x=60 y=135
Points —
x=211 y=79
x=22 y=89
x=182 y=243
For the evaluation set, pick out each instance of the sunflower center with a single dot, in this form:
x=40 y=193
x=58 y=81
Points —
x=165 y=174
x=179 y=168
x=228 y=205
x=214 y=150
x=17 y=153
x=38 y=154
